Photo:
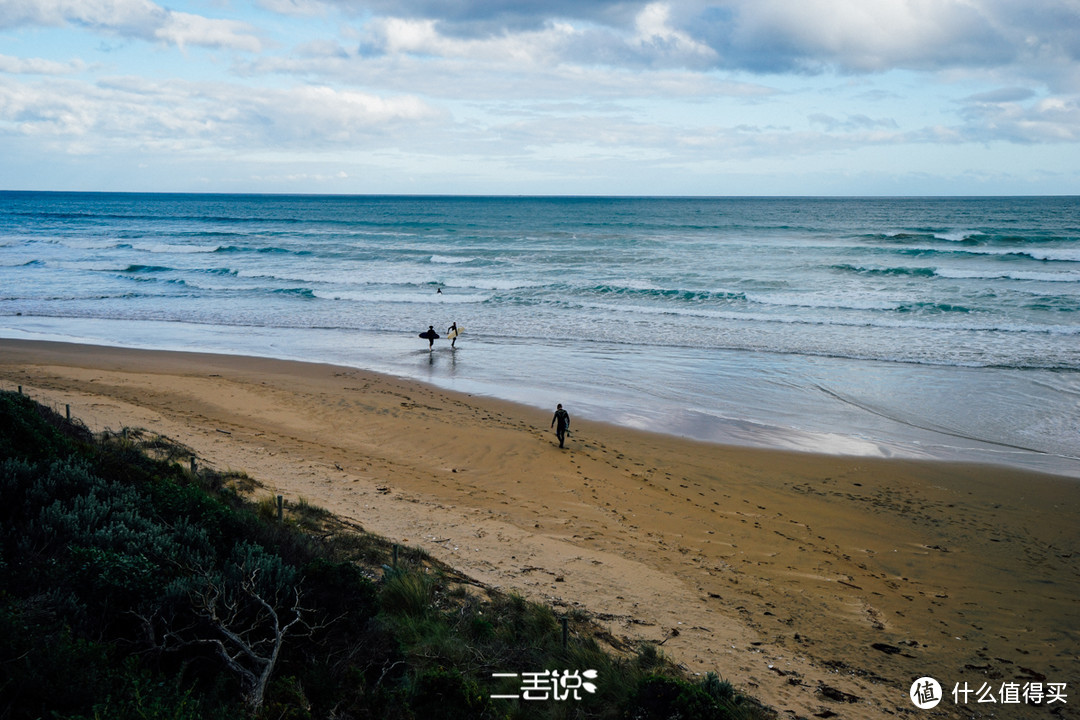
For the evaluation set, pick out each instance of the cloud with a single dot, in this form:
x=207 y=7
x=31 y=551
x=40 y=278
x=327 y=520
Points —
x=319 y=115
x=294 y=8
x=531 y=88
x=138 y=19
x=476 y=18
x=852 y=35
x=852 y=122
x=1002 y=95
x=657 y=38
x=38 y=66
x=139 y=115
x=303 y=177
x=649 y=41
x=182 y=29
x=499 y=72
x=1002 y=116
x=766 y=36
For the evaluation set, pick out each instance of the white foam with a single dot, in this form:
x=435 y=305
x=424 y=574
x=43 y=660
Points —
x=380 y=296
x=450 y=260
x=954 y=236
x=1063 y=277
x=174 y=248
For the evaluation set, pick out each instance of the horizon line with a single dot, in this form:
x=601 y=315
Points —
x=537 y=196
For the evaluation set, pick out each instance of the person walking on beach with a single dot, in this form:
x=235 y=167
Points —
x=430 y=335
x=562 y=418
x=451 y=332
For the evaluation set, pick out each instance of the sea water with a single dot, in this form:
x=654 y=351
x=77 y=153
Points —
x=913 y=327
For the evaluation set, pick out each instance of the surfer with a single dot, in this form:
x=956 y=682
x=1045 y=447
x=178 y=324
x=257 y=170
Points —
x=563 y=419
x=430 y=336
x=452 y=333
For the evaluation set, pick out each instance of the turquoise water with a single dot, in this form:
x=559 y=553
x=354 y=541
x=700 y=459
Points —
x=914 y=327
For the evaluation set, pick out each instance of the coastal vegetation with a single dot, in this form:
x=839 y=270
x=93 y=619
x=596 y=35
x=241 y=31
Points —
x=136 y=584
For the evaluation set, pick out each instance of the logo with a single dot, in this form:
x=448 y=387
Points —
x=925 y=693
x=550 y=685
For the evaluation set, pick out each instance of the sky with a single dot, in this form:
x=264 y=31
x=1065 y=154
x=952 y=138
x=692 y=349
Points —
x=553 y=97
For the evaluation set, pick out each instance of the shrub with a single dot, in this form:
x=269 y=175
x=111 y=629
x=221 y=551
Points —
x=123 y=577
x=407 y=593
x=33 y=432
x=446 y=695
x=664 y=698
x=719 y=690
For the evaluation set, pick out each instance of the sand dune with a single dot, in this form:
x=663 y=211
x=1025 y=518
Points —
x=822 y=585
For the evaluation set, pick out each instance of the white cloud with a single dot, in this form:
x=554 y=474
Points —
x=182 y=29
x=38 y=66
x=854 y=35
x=860 y=36
x=651 y=40
x=140 y=114
x=131 y=18
x=1050 y=120
x=394 y=36
x=466 y=74
x=128 y=17
x=538 y=87
x=852 y=122
x=326 y=116
x=294 y=8
x=656 y=35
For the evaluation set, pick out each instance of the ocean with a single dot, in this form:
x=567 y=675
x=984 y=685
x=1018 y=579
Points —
x=945 y=328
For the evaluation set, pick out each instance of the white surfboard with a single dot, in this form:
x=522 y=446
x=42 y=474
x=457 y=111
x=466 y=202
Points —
x=454 y=333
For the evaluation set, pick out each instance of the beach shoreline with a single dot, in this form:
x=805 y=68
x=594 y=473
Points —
x=832 y=406
x=817 y=583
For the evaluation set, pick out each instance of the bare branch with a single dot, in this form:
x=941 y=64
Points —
x=244 y=624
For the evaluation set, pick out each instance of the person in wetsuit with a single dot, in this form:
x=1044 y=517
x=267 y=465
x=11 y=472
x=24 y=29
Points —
x=561 y=423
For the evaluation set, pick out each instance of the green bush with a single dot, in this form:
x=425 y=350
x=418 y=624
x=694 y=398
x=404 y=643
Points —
x=407 y=593
x=33 y=432
x=720 y=690
x=122 y=577
x=664 y=698
x=441 y=694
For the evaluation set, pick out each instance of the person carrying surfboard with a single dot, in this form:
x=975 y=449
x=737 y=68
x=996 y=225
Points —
x=430 y=335
x=452 y=333
x=563 y=419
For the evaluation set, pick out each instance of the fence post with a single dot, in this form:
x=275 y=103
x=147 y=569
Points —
x=68 y=408
x=280 y=507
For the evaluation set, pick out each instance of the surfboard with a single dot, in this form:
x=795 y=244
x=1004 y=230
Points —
x=429 y=335
x=454 y=333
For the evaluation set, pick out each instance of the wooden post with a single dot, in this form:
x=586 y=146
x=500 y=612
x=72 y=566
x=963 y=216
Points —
x=20 y=389
x=68 y=408
x=194 y=467
x=280 y=507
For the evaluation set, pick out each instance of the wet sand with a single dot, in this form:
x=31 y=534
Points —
x=821 y=585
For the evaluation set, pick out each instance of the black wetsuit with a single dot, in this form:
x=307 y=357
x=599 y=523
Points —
x=561 y=421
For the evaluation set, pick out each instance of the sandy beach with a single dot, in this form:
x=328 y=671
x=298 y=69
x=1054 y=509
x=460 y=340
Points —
x=821 y=585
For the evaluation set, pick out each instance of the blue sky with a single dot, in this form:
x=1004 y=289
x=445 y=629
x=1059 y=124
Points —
x=598 y=97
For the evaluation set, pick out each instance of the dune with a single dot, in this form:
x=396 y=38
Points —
x=822 y=585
